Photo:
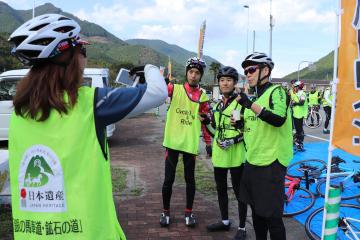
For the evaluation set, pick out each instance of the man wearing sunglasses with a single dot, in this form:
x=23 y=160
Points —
x=268 y=141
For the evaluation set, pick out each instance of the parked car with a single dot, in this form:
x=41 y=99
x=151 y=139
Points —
x=94 y=77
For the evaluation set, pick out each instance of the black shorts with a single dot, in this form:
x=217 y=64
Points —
x=263 y=188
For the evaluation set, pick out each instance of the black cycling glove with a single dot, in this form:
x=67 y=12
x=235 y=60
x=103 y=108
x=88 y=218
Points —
x=244 y=101
x=206 y=120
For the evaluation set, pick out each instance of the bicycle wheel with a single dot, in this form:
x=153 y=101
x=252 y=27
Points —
x=313 y=223
x=313 y=166
x=313 y=119
x=302 y=201
x=349 y=188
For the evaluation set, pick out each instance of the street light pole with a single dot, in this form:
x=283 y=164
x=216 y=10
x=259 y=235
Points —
x=298 y=71
x=253 y=41
x=247 y=30
x=33 y=9
x=271 y=29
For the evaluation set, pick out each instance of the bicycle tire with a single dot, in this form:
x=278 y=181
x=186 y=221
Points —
x=315 y=115
x=349 y=192
x=310 y=222
x=297 y=203
x=292 y=172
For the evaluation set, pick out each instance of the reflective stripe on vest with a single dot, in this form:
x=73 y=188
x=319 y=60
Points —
x=60 y=180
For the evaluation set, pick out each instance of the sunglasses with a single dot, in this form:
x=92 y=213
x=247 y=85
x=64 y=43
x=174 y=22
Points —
x=83 y=51
x=250 y=70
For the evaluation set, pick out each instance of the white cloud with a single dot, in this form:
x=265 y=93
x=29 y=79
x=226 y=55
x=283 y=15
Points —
x=167 y=33
x=232 y=58
x=178 y=22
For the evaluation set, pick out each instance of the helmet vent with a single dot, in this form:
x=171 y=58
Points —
x=44 y=17
x=39 y=27
x=64 y=29
x=63 y=18
x=42 y=41
x=29 y=53
x=17 y=40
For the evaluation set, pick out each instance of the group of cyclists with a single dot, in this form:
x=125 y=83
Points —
x=303 y=103
x=252 y=139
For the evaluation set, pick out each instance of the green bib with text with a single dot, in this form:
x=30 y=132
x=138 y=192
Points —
x=60 y=180
x=266 y=143
x=182 y=128
x=299 y=111
x=314 y=98
x=233 y=156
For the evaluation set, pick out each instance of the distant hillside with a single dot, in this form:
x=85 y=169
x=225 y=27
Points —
x=176 y=53
x=105 y=50
x=6 y=60
x=323 y=71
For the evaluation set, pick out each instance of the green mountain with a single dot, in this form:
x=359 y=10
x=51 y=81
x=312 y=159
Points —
x=323 y=69
x=105 y=50
x=176 y=53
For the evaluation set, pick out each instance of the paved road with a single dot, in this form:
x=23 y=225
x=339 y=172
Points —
x=136 y=145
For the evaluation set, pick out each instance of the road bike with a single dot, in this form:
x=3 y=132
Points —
x=314 y=170
x=348 y=226
x=296 y=198
x=314 y=118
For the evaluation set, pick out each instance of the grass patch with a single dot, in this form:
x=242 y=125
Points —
x=118 y=176
x=204 y=177
x=136 y=191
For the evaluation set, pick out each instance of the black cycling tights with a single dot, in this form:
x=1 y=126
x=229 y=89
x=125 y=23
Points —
x=327 y=110
x=298 y=124
x=264 y=225
x=221 y=187
x=170 y=170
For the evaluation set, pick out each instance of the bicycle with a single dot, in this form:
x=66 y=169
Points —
x=314 y=118
x=348 y=227
x=347 y=179
x=297 y=199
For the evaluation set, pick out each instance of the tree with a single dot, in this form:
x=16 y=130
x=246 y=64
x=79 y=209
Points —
x=214 y=67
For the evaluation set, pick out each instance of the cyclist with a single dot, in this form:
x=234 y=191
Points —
x=59 y=156
x=314 y=100
x=268 y=141
x=228 y=150
x=327 y=104
x=182 y=134
x=300 y=111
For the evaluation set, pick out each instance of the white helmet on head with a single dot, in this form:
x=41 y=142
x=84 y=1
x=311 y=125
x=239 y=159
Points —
x=257 y=58
x=44 y=37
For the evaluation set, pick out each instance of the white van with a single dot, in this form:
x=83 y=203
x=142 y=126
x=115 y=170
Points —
x=94 y=77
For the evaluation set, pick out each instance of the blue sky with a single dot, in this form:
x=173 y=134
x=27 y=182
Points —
x=304 y=29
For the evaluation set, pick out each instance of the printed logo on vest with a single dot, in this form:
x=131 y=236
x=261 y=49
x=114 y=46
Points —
x=41 y=181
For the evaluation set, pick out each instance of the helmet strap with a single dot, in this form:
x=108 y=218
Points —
x=260 y=79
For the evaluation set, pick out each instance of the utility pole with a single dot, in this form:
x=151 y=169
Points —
x=253 y=41
x=247 y=29
x=33 y=9
x=271 y=29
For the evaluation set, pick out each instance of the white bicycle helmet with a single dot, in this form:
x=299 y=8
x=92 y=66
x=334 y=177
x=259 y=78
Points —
x=44 y=37
x=258 y=58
